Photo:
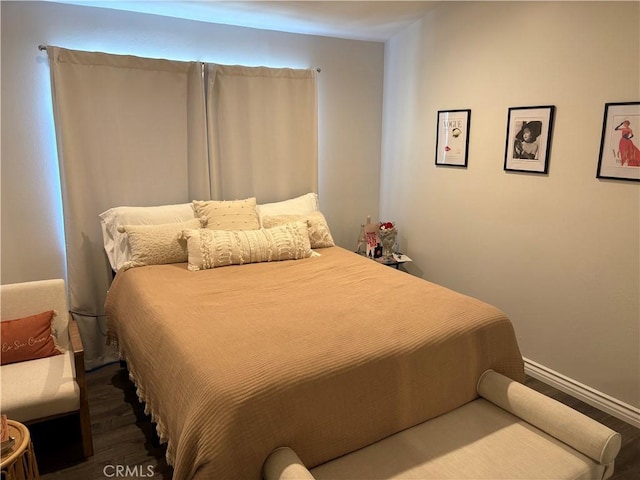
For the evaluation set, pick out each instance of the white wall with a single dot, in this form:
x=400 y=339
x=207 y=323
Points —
x=350 y=113
x=558 y=253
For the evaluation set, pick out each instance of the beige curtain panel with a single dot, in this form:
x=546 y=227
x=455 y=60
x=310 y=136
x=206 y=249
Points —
x=127 y=130
x=263 y=132
x=142 y=132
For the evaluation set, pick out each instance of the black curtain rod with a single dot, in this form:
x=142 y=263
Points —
x=44 y=48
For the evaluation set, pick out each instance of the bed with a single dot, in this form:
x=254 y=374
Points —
x=325 y=354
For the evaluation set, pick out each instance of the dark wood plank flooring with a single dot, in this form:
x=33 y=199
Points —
x=125 y=437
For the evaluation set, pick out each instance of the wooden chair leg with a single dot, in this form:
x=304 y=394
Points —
x=85 y=428
x=81 y=379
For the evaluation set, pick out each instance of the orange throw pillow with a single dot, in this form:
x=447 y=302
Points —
x=28 y=338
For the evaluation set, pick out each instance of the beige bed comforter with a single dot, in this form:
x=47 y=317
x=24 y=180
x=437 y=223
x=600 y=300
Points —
x=324 y=355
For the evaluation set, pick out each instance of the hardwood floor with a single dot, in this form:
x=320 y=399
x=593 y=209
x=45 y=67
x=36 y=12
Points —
x=124 y=436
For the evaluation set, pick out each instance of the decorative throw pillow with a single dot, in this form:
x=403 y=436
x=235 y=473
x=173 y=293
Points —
x=28 y=338
x=115 y=243
x=218 y=248
x=157 y=244
x=229 y=215
x=319 y=233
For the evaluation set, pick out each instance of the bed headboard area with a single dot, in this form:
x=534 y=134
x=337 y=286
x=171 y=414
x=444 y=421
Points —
x=130 y=234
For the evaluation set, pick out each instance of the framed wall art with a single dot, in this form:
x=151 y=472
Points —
x=619 y=153
x=452 y=137
x=529 y=139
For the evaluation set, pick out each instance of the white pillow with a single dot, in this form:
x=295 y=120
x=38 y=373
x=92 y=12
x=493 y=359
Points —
x=295 y=206
x=115 y=243
x=157 y=244
x=218 y=248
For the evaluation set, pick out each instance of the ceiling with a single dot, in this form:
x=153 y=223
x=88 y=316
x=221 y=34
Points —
x=358 y=20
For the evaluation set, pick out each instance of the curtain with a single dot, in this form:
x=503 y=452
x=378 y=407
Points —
x=262 y=132
x=142 y=132
x=130 y=131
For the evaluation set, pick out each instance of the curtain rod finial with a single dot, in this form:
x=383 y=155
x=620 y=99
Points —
x=42 y=47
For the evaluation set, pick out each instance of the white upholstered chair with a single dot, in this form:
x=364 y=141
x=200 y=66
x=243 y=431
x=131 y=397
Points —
x=45 y=388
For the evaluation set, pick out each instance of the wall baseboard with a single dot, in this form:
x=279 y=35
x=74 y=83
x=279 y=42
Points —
x=599 y=400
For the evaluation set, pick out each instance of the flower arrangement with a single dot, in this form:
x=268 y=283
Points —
x=387 y=233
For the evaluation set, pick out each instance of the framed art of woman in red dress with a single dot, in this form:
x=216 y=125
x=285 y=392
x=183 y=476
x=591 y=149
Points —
x=619 y=153
x=629 y=153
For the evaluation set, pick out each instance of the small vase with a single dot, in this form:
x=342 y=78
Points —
x=388 y=240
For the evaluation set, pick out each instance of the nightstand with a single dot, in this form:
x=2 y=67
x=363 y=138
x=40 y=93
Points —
x=398 y=259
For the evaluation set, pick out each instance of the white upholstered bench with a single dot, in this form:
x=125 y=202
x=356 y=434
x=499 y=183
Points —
x=509 y=432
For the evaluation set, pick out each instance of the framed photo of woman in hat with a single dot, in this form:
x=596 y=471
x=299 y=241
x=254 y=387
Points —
x=619 y=146
x=529 y=139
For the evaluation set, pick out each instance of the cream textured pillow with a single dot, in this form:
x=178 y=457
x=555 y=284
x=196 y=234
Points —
x=319 y=233
x=229 y=215
x=218 y=248
x=115 y=243
x=157 y=244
